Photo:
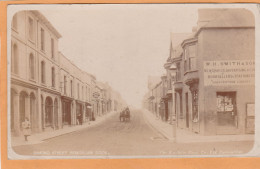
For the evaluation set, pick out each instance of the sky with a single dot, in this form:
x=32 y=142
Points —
x=120 y=44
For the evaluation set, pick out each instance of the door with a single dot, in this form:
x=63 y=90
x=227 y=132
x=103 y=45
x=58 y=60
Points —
x=226 y=113
x=187 y=110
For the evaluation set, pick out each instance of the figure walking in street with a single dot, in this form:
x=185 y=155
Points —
x=26 y=125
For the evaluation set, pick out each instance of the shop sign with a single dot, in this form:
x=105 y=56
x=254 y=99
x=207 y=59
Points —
x=229 y=72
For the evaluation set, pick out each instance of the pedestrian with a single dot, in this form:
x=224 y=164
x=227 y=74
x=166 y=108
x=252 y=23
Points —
x=26 y=125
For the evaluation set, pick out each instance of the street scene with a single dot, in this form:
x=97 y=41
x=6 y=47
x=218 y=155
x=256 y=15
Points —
x=134 y=138
x=96 y=81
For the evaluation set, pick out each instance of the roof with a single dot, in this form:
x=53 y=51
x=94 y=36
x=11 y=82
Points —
x=177 y=38
x=223 y=18
x=237 y=17
x=46 y=22
x=153 y=81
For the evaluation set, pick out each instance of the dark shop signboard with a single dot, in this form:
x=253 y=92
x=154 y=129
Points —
x=229 y=72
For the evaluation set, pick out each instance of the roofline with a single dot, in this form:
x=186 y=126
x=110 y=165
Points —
x=82 y=71
x=219 y=27
x=46 y=22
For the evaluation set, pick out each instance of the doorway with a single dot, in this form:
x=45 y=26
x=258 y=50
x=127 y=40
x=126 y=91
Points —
x=226 y=112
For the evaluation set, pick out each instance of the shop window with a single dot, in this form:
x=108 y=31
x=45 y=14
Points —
x=43 y=72
x=31 y=66
x=226 y=108
x=31 y=29
x=42 y=39
x=195 y=112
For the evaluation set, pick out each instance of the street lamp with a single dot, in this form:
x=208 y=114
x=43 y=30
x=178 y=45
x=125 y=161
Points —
x=172 y=70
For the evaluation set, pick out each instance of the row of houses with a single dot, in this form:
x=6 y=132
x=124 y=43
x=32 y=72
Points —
x=48 y=88
x=209 y=81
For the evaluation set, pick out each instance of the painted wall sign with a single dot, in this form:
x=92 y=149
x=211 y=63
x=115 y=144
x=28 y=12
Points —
x=229 y=72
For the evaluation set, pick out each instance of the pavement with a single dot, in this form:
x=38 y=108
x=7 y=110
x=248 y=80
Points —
x=41 y=137
x=185 y=136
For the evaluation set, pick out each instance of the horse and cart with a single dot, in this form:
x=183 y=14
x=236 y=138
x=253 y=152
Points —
x=125 y=115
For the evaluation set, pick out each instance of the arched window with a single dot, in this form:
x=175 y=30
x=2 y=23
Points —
x=31 y=66
x=53 y=76
x=15 y=60
x=14 y=22
x=42 y=71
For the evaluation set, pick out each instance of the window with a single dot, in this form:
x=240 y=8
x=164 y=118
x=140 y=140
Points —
x=86 y=93
x=53 y=76
x=226 y=109
x=192 y=57
x=82 y=96
x=195 y=112
x=71 y=87
x=31 y=66
x=52 y=48
x=15 y=60
x=185 y=59
x=43 y=72
x=89 y=94
x=178 y=72
x=42 y=40
x=14 y=22
x=78 y=90
x=65 y=85
x=31 y=30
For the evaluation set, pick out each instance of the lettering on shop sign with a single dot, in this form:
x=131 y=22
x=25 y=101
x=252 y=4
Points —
x=229 y=72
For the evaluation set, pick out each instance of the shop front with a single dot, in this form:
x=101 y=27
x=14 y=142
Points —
x=88 y=112
x=80 y=115
x=66 y=110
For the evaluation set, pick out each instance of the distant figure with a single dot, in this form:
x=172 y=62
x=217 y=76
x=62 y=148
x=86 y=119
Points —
x=79 y=119
x=26 y=125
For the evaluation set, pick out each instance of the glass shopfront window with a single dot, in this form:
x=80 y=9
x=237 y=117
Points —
x=226 y=108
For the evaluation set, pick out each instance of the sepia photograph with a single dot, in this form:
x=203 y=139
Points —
x=131 y=80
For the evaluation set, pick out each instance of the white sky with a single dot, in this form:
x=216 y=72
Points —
x=120 y=44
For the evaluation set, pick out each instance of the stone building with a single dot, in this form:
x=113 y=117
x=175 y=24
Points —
x=213 y=85
x=35 y=85
x=46 y=87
